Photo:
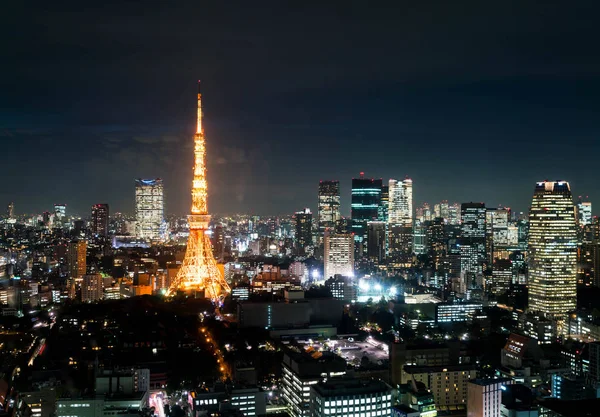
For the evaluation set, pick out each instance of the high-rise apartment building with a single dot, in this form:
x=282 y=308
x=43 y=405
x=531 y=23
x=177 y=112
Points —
x=329 y=205
x=339 y=254
x=303 y=223
x=92 y=288
x=76 y=259
x=149 y=208
x=100 y=220
x=366 y=202
x=552 y=249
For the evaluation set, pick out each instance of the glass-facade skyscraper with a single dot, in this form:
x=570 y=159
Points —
x=472 y=242
x=552 y=249
x=329 y=205
x=303 y=227
x=149 y=209
x=366 y=201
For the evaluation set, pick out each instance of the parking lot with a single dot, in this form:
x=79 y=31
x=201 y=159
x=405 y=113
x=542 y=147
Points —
x=353 y=351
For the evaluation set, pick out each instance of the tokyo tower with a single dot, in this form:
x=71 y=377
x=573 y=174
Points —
x=199 y=270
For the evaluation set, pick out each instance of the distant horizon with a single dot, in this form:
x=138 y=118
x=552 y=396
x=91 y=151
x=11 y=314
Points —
x=313 y=208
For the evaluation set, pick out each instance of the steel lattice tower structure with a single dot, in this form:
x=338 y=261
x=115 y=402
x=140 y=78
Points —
x=199 y=270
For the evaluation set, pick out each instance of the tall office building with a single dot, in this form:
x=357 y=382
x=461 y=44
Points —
x=584 y=212
x=419 y=238
x=400 y=221
x=384 y=204
x=329 y=205
x=60 y=213
x=497 y=233
x=400 y=202
x=149 y=208
x=552 y=249
x=76 y=258
x=100 y=220
x=437 y=239
x=454 y=214
x=376 y=241
x=366 y=202
x=339 y=254
x=473 y=216
x=303 y=222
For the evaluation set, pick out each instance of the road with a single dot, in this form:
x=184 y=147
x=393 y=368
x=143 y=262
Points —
x=156 y=401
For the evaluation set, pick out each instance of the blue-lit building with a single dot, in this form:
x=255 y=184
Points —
x=446 y=313
x=366 y=202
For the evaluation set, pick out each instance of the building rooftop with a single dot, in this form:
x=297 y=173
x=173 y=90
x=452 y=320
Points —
x=313 y=363
x=348 y=386
x=416 y=369
x=489 y=381
x=578 y=408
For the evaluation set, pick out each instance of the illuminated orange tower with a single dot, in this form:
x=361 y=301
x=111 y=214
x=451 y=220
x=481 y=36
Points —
x=199 y=270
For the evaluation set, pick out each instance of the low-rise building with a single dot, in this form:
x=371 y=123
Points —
x=350 y=397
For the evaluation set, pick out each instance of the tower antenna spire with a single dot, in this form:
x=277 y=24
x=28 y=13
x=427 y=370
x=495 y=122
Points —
x=199 y=126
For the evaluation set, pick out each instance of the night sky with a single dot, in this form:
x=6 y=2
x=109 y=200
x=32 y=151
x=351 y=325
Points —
x=474 y=100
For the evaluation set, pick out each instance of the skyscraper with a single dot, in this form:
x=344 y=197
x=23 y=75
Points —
x=497 y=239
x=400 y=202
x=454 y=214
x=329 y=205
x=60 y=213
x=339 y=254
x=366 y=201
x=10 y=210
x=552 y=249
x=149 y=208
x=100 y=215
x=303 y=226
x=384 y=204
x=376 y=241
x=76 y=258
x=472 y=242
x=400 y=221
x=584 y=212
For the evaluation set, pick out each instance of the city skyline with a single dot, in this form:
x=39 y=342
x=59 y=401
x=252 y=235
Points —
x=388 y=92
